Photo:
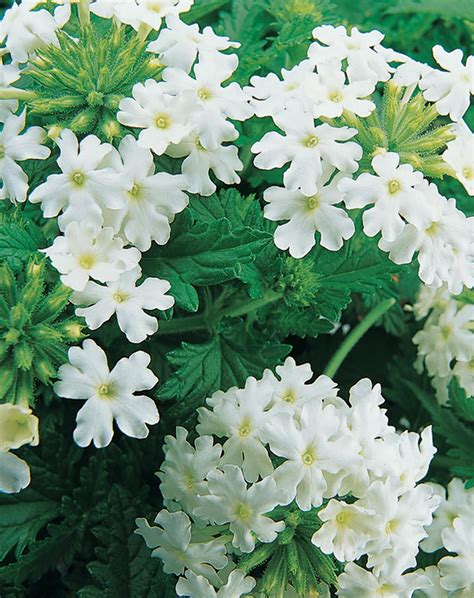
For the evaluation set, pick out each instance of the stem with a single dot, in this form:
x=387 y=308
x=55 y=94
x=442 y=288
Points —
x=13 y=93
x=355 y=335
x=207 y=322
x=84 y=12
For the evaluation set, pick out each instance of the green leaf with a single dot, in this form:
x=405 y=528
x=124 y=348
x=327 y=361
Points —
x=202 y=8
x=21 y=518
x=462 y=404
x=19 y=240
x=461 y=9
x=209 y=253
x=226 y=360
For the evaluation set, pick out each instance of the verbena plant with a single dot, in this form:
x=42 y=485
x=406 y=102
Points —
x=224 y=225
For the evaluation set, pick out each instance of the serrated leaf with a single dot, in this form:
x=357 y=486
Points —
x=209 y=253
x=462 y=404
x=19 y=240
x=21 y=518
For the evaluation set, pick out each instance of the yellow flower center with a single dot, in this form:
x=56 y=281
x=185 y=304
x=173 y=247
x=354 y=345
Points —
x=78 y=178
x=243 y=512
x=2 y=152
x=289 y=397
x=120 y=297
x=391 y=526
x=446 y=331
x=154 y=6
x=343 y=518
x=199 y=145
x=394 y=187
x=86 y=261
x=467 y=172
x=105 y=391
x=204 y=94
x=245 y=429
x=134 y=191
x=311 y=141
x=312 y=203
x=162 y=121
x=336 y=97
x=308 y=457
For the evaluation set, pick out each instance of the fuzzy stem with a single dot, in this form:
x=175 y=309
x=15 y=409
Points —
x=355 y=335
x=13 y=93
x=207 y=321
x=84 y=12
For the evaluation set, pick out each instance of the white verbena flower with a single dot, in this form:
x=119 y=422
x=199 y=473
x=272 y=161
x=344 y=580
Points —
x=163 y=117
x=345 y=530
x=179 y=44
x=460 y=156
x=450 y=89
x=306 y=146
x=394 y=193
x=18 y=426
x=88 y=252
x=231 y=501
x=109 y=395
x=308 y=214
x=25 y=30
x=183 y=472
x=138 y=13
x=128 y=301
x=364 y=62
x=86 y=185
x=223 y=161
x=457 y=572
x=16 y=146
x=198 y=587
x=9 y=73
x=151 y=199
x=172 y=542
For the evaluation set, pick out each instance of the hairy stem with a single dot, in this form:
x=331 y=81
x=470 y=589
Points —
x=13 y=93
x=208 y=320
x=355 y=335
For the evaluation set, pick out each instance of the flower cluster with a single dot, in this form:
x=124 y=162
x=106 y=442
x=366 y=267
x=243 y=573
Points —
x=446 y=342
x=313 y=103
x=285 y=441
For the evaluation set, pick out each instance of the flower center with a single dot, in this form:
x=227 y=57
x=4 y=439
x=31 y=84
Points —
x=105 y=391
x=162 y=121
x=120 y=297
x=289 y=397
x=134 y=191
x=394 y=187
x=204 y=94
x=342 y=518
x=312 y=203
x=432 y=229
x=78 y=178
x=154 y=6
x=336 y=97
x=199 y=145
x=311 y=141
x=245 y=429
x=467 y=172
x=308 y=457
x=446 y=331
x=243 y=512
x=2 y=152
x=86 y=261
x=391 y=526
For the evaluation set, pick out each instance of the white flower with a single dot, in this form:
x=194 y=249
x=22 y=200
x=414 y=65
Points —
x=163 y=117
x=345 y=530
x=439 y=343
x=271 y=94
x=460 y=156
x=24 y=30
x=435 y=590
x=151 y=200
x=364 y=62
x=443 y=245
x=9 y=73
x=128 y=301
x=209 y=102
x=310 y=449
x=429 y=299
x=178 y=44
x=332 y=95
x=293 y=388
x=198 y=587
x=172 y=542
x=459 y=503
x=457 y=572
x=394 y=547
x=306 y=146
x=16 y=147
x=393 y=191
x=140 y=12
x=464 y=372
x=87 y=252
x=449 y=89
x=308 y=214
x=185 y=468
x=109 y=395
x=357 y=582
x=231 y=501
x=240 y=417
x=224 y=162
x=18 y=426
x=86 y=184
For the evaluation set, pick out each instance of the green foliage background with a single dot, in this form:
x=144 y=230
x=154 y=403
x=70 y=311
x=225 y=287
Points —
x=70 y=532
